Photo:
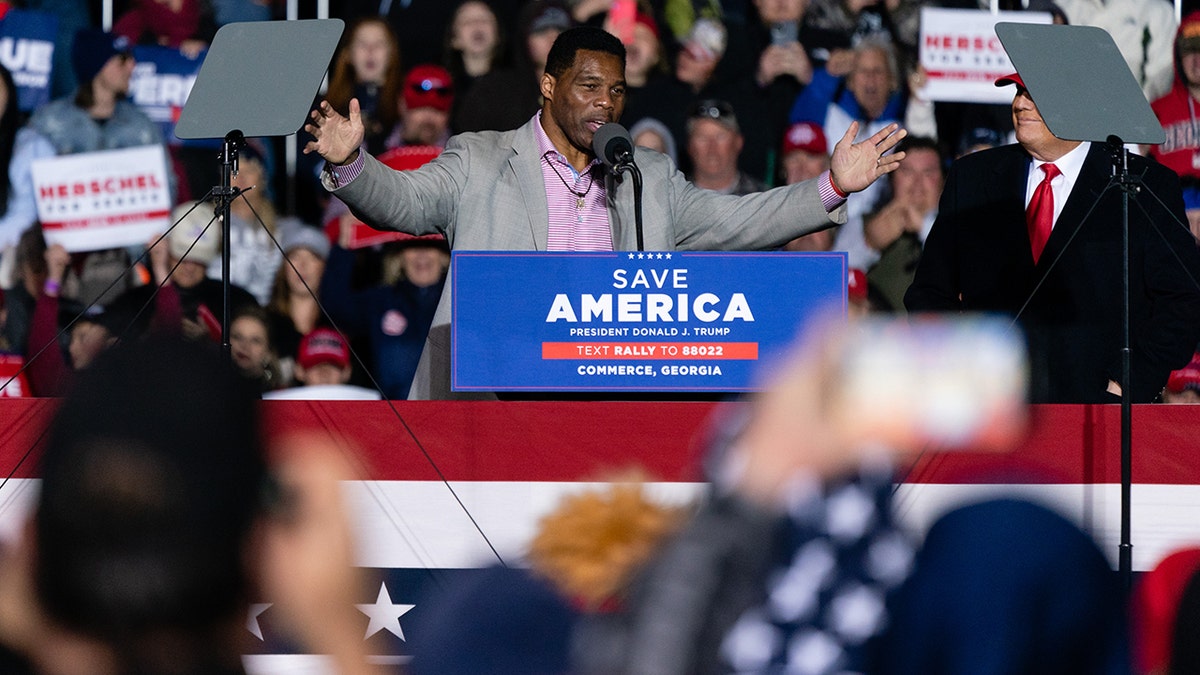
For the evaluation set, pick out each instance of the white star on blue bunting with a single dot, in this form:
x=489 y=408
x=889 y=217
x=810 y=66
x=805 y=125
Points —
x=384 y=614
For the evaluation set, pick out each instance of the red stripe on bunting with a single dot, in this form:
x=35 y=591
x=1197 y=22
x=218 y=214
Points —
x=568 y=441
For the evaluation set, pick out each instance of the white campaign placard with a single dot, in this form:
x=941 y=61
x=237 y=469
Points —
x=107 y=199
x=962 y=56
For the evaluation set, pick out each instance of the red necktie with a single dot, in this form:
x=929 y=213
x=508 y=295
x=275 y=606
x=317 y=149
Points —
x=1039 y=217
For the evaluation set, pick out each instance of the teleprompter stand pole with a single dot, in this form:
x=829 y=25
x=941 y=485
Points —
x=258 y=78
x=224 y=194
x=1128 y=185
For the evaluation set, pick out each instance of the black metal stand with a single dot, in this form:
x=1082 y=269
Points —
x=1128 y=185
x=258 y=78
x=637 y=197
x=224 y=194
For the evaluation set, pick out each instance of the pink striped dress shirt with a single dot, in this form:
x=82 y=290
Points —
x=576 y=223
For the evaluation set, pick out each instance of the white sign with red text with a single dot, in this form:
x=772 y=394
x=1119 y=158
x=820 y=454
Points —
x=962 y=56
x=107 y=199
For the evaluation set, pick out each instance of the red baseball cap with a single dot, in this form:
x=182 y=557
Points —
x=323 y=345
x=805 y=136
x=1014 y=78
x=1185 y=378
x=428 y=86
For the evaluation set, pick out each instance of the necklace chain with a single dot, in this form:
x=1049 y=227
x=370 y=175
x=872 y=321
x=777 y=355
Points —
x=579 y=196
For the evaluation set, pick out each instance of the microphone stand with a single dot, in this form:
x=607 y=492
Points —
x=626 y=164
x=614 y=147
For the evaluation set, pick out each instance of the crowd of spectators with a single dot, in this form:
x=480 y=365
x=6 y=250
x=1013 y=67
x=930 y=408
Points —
x=742 y=95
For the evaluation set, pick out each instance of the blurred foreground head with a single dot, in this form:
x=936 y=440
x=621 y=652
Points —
x=150 y=482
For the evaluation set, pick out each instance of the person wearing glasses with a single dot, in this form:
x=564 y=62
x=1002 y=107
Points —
x=541 y=187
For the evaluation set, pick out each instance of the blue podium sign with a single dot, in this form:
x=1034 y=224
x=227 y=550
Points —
x=628 y=321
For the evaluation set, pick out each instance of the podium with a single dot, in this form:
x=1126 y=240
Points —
x=632 y=321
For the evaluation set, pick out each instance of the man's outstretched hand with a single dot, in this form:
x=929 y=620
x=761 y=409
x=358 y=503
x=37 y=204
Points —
x=337 y=138
x=855 y=166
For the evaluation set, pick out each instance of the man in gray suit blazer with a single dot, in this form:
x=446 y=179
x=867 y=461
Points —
x=494 y=190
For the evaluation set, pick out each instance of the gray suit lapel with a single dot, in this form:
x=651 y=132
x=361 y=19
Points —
x=527 y=166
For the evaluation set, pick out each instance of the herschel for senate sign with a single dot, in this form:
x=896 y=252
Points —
x=630 y=321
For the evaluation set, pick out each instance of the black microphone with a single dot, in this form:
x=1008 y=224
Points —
x=613 y=145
